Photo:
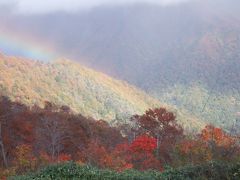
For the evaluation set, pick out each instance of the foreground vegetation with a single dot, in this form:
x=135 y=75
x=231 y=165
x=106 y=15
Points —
x=211 y=170
x=32 y=138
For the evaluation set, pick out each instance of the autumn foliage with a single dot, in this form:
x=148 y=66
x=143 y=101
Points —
x=34 y=137
x=142 y=152
x=143 y=144
x=217 y=136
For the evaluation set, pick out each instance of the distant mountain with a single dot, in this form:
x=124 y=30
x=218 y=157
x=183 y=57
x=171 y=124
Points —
x=85 y=91
x=187 y=55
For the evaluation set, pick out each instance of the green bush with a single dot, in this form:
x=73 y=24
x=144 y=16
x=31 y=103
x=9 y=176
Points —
x=211 y=170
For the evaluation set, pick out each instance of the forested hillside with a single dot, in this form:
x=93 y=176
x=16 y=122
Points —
x=167 y=51
x=67 y=83
x=120 y=90
x=85 y=91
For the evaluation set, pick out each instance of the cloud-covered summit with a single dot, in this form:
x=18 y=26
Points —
x=41 y=7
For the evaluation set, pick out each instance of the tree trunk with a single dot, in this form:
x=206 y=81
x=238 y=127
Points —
x=2 y=148
x=158 y=146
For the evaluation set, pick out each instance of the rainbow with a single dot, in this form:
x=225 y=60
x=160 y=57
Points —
x=23 y=46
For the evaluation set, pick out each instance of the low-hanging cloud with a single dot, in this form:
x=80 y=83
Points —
x=48 y=6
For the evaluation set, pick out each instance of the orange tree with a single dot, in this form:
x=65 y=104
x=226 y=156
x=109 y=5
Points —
x=222 y=145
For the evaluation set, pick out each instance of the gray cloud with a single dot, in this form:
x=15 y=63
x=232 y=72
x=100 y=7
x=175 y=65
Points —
x=46 y=6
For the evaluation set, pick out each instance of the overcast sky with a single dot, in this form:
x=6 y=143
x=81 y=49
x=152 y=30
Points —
x=46 y=6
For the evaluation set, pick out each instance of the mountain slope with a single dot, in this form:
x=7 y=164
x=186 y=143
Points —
x=64 y=82
x=185 y=55
x=84 y=90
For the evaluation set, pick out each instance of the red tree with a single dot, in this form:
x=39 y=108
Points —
x=141 y=153
x=144 y=144
x=162 y=125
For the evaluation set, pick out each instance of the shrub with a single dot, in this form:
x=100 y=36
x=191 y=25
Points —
x=70 y=170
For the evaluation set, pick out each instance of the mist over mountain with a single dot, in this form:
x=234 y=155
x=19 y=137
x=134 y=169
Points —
x=187 y=55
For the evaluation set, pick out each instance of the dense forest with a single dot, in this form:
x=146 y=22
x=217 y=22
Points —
x=33 y=137
x=85 y=91
x=64 y=82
